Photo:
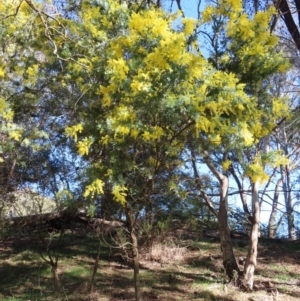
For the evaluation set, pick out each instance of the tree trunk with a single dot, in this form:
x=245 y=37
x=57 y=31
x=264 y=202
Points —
x=135 y=254
x=289 y=21
x=272 y=226
x=288 y=195
x=136 y=268
x=56 y=281
x=287 y=188
x=251 y=261
x=229 y=261
x=96 y=265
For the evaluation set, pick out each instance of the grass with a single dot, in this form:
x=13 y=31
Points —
x=185 y=270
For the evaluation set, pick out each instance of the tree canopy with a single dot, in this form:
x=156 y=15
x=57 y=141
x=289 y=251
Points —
x=114 y=98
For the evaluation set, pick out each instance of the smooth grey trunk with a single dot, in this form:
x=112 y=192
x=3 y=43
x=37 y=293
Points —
x=229 y=260
x=251 y=261
x=287 y=188
x=272 y=225
x=288 y=198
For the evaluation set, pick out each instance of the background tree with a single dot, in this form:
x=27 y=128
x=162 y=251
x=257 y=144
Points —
x=235 y=51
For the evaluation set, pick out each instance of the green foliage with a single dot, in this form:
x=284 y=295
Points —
x=142 y=89
x=145 y=91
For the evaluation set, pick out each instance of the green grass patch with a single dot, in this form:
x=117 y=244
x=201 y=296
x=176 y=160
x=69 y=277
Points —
x=77 y=272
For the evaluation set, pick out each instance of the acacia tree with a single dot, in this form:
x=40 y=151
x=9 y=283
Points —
x=145 y=89
x=285 y=25
x=171 y=82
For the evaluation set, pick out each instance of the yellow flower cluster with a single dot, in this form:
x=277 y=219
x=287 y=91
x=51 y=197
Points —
x=119 y=193
x=226 y=164
x=150 y=22
x=95 y=188
x=155 y=133
x=256 y=173
x=118 y=68
x=83 y=146
x=72 y=131
x=148 y=81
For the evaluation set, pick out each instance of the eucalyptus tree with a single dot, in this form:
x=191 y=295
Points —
x=285 y=24
x=234 y=48
x=287 y=13
x=286 y=140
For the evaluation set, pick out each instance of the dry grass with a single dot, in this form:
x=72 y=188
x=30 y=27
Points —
x=164 y=252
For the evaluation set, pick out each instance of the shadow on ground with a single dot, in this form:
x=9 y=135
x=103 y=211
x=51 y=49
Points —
x=24 y=274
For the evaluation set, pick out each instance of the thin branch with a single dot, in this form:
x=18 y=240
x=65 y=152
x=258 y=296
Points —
x=200 y=185
x=15 y=13
x=179 y=7
x=198 y=9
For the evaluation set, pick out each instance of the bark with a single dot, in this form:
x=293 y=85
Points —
x=287 y=188
x=52 y=260
x=136 y=267
x=256 y=6
x=297 y=3
x=96 y=265
x=135 y=253
x=251 y=261
x=229 y=260
x=288 y=196
x=56 y=281
x=272 y=226
x=54 y=270
x=289 y=22
x=200 y=186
